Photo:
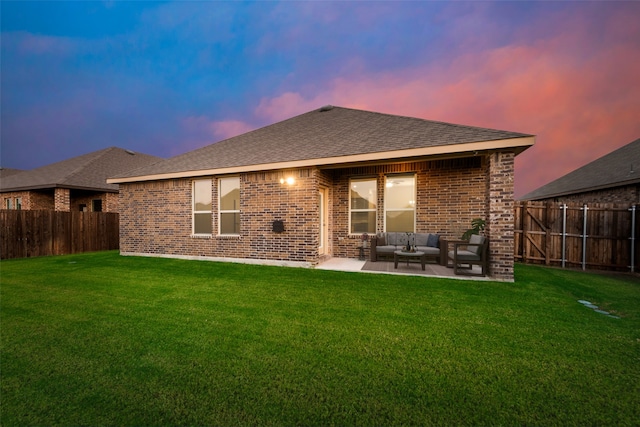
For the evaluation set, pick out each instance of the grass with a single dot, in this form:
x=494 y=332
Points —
x=99 y=339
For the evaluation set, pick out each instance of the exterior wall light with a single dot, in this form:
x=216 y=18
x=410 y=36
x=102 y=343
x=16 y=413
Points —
x=289 y=180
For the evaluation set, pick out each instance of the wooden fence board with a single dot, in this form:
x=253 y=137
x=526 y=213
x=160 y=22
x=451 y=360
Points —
x=538 y=235
x=39 y=233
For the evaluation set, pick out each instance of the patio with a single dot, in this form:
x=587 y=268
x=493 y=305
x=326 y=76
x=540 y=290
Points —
x=386 y=267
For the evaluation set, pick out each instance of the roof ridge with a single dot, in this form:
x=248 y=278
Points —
x=96 y=155
x=459 y=125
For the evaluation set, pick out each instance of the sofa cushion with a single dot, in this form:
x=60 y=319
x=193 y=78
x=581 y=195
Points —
x=387 y=249
x=395 y=239
x=433 y=240
x=477 y=240
x=464 y=255
x=421 y=239
x=428 y=250
x=381 y=239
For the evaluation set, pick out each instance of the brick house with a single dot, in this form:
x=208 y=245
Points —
x=304 y=189
x=78 y=183
x=613 y=178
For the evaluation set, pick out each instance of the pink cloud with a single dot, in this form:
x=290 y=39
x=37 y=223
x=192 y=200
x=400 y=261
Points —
x=287 y=105
x=201 y=131
x=576 y=92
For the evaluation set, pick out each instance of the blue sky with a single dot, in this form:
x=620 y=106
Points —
x=164 y=78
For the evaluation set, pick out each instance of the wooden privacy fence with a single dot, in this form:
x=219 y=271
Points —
x=598 y=236
x=26 y=233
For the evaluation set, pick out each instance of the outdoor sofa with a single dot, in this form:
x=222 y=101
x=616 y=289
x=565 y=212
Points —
x=385 y=244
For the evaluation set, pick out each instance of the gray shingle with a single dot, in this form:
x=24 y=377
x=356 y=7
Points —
x=88 y=171
x=620 y=167
x=322 y=134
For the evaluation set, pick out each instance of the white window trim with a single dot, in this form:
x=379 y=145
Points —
x=194 y=211
x=221 y=211
x=415 y=191
x=351 y=210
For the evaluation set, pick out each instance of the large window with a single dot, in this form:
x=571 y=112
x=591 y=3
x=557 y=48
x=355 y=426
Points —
x=400 y=203
x=229 y=205
x=363 y=197
x=202 y=206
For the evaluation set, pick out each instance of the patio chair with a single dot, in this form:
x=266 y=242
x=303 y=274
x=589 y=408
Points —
x=467 y=254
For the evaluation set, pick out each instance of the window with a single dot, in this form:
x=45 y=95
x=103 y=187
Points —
x=8 y=204
x=400 y=203
x=363 y=197
x=19 y=203
x=96 y=205
x=202 y=206
x=229 y=205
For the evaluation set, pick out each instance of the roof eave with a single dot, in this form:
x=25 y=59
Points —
x=582 y=190
x=517 y=145
x=54 y=186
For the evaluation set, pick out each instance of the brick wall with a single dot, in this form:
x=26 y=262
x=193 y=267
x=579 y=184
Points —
x=41 y=200
x=110 y=202
x=62 y=199
x=31 y=200
x=499 y=227
x=46 y=199
x=156 y=219
x=626 y=194
x=86 y=198
x=156 y=216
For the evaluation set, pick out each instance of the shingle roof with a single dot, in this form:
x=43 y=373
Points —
x=6 y=172
x=88 y=171
x=618 y=168
x=327 y=132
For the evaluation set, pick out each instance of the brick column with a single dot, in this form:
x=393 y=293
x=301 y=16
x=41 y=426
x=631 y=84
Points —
x=62 y=199
x=111 y=202
x=499 y=228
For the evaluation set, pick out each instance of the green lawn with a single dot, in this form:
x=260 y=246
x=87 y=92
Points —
x=99 y=339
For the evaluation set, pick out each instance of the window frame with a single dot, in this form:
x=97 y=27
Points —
x=387 y=188
x=195 y=212
x=374 y=209
x=228 y=211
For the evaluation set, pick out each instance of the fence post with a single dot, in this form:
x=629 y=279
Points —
x=564 y=233
x=525 y=230
x=633 y=237
x=584 y=238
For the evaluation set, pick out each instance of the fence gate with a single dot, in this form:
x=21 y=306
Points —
x=573 y=235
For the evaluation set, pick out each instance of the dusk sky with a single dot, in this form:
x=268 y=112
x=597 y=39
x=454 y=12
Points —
x=166 y=78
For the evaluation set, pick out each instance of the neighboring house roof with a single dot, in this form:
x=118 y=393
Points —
x=88 y=172
x=7 y=172
x=618 y=168
x=330 y=136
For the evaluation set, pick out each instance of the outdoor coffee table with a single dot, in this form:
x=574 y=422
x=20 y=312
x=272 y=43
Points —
x=407 y=256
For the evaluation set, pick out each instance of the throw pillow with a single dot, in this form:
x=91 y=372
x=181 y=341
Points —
x=433 y=240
